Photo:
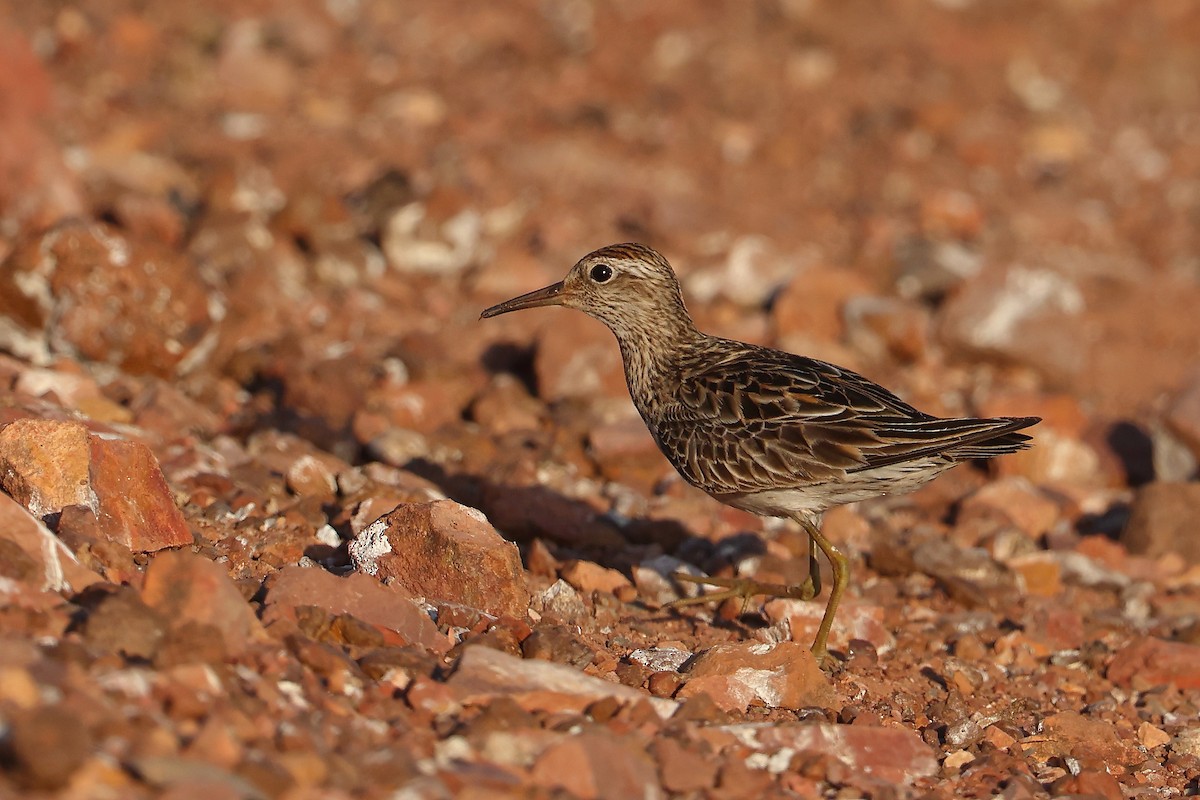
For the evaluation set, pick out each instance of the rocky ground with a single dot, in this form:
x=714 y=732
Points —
x=282 y=518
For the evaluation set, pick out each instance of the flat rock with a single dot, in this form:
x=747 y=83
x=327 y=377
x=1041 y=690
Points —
x=44 y=465
x=388 y=607
x=854 y=620
x=32 y=554
x=48 y=465
x=1163 y=520
x=886 y=755
x=1015 y=499
x=1151 y=662
x=444 y=551
x=598 y=765
x=577 y=359
x=588 y=577
x=738 y=675
x=92 y=293
x=134 y=503
x=483 y=673
x=188 y=588
x=1092 y=741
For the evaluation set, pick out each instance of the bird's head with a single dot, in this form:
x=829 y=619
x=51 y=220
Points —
x=628 y=287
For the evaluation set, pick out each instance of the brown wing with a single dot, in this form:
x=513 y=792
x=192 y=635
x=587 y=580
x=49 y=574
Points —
x=761 y=419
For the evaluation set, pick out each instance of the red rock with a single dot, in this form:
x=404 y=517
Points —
x=1090 y=783
x=561 y=604
x=599 y=765
x=44 y=465
x=1163 y=520
x=736 y=676
x=36 y=187
x=388 y=607
x=74 y=390
x=49 y=465
x=87 y=289
x=134 y=504
x=588 y=577
x=188 y=588
x=506 y=406
x=683 y=769
x=34 y=555
x=577 y=358
x=1025 y=315
x=527 y=512
x=854 y=620
x=1152 y=662
x=483 y=673
x=1057 y=458
x=1016 y=499
x=47 y=745
x=884 y=755
x=811 y=304
x=122 y=623
x=1041 y=573
x=1092 y=741
x=887 y=327
x=445 y=551
x=950 y=213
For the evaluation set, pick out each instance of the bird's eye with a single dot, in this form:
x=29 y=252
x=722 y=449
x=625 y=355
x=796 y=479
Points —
x=601 y=273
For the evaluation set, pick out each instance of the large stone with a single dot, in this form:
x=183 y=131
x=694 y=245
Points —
x=1153 y=662
x=187 y=588
x=1163 y=520
x=86 y=291
x=577 y=359
x=30 y=553
x=48 y=465
x=444 y=551
x=738 y=675
x=483 y=674
x=598 y=765
x=44 y=465
x=1094 y=742
x=134 y=503
x=886 y=755
x=854 y=620
x=388 y=607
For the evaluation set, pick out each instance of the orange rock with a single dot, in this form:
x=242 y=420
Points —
x=33 y=555
x=597 y=765
x=388 y=607
x=44 y=465
x=444 y=551
x=135 y=506
x=188 y=588
x=588 y=577
x=736 y=676
x=854 y=620
x=1163 y=520
x=1151 y=662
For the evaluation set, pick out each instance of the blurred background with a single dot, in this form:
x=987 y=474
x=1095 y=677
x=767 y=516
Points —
x=257 y=232
x=916 y=185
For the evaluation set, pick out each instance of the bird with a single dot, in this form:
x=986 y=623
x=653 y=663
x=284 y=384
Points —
x=759 y=429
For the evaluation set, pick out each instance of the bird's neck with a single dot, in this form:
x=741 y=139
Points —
x=651 y=352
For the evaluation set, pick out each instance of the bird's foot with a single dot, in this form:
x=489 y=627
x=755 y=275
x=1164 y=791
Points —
x=745 y=588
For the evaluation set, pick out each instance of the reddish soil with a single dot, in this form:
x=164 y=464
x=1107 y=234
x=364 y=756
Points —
x=283 y=519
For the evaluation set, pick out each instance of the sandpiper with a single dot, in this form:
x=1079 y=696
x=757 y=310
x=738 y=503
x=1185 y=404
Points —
x=759 y=429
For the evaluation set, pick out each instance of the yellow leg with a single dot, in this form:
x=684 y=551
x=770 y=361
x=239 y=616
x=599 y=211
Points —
x=841 y=576
x=745 y=588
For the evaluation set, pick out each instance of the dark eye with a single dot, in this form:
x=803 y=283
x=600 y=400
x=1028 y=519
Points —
x=601 y=273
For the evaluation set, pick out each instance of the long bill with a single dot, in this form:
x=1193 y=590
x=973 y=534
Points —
x=549 y=296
